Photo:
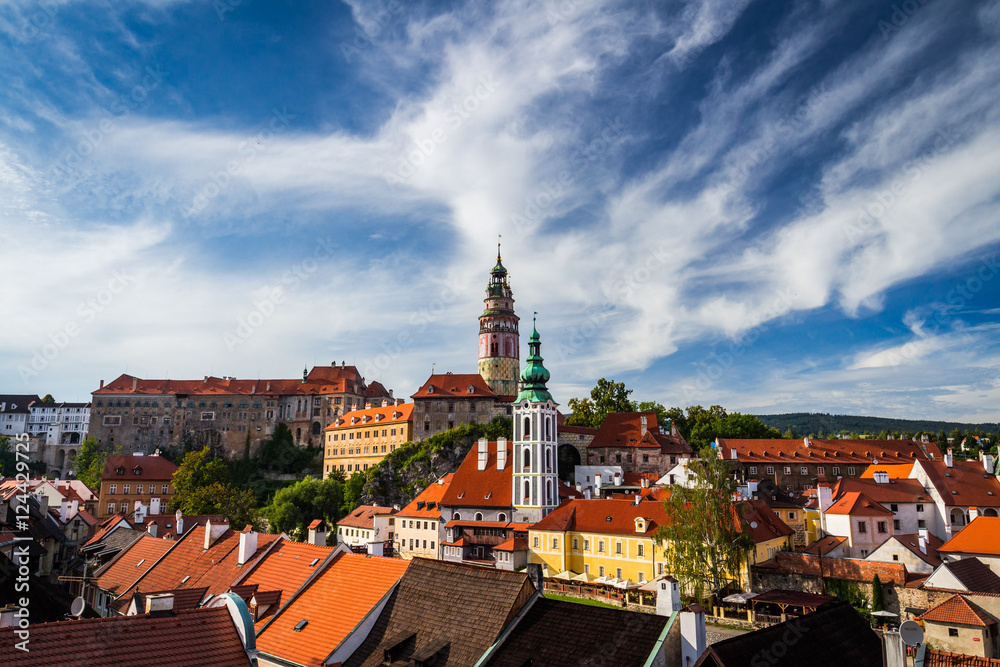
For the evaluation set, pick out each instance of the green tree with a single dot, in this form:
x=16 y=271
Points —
x=878 y=595
x=352 y=491
x=48 y=399
x=294 y=507
x=707 y=425
x=8 y=460
x=582 y=413
x=90 y=462
x=202 y=486
x=605 y=398
x=790 y=434
x=662 y=417
x=704 y=543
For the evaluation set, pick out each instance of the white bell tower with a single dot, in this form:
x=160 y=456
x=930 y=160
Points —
x=536 y=442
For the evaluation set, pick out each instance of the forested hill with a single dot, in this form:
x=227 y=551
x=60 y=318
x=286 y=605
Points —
x=804 y=423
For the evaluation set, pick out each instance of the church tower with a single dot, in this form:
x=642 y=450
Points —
x=499 y=342
x=535 y=445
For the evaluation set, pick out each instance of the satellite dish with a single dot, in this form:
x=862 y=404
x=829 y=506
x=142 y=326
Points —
x=76 y=609
x=753 y=524
x=911 y=633
x=875 y=462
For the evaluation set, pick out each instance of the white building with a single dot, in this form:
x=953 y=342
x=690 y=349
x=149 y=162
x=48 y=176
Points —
x=359 y=528
x=14 y=413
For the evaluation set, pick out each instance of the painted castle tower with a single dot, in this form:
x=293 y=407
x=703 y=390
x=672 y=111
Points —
x=536 y=441
x=499 y=342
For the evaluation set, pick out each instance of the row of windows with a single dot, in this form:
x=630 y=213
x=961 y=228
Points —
x=422 y=406
x=415 y=544
x=350 y=467
x=820 y=470
x=351 y=451
x=640 y=548
x=433 y=524
x=113 y=488
x=351 y=435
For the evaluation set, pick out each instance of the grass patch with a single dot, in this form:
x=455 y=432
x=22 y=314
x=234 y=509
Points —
x=591 y=603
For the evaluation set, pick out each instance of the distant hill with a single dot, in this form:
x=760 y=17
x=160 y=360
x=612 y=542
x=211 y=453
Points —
x=804 y=423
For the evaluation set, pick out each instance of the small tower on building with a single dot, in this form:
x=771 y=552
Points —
x=536 y=441
x=499 y=341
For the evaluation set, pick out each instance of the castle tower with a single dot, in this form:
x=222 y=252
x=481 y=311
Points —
x=536 y=442
x=499 y=342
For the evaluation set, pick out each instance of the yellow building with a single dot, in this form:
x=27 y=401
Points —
x=360 y=438
x=615 y=538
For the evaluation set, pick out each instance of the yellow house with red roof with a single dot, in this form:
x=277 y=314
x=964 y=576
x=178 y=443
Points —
x=361 y=438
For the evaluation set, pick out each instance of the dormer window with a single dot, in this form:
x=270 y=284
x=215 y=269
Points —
x=471 y=389
x=120 y=470
x=137 y=470
x=430 y=389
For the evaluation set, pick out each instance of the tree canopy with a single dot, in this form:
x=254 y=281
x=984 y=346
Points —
x=202 y=485
x=295 y=506
x=90 y=462
x=607 y=397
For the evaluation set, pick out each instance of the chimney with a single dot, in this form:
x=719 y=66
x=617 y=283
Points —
x=732 y=454
x=317 y=535
x=644 y=483
x=693 y=637
x=806 y=443
x=824 y=495
x=152 y=528
x=922 y=540
x=988 y=463
x=63 y=511
x=534 y=571
x=213 y=533
x=154 y=506
x=102 y=385
x=579 y=487
x=135 y=384
x=618 y=479
x=483 y=453
x=248 y=546
x=501 y=453
x=643 y=425
x=586 y=493
x=43 y=503
x=668 y=596
x=162 y=602
x=638 y=499
x=949 y=460
x=179 y=522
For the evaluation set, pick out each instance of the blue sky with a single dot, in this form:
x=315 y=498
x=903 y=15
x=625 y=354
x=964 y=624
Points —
x=773 y=206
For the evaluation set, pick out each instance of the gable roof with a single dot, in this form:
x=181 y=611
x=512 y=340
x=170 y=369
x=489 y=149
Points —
x=150 y=468
x=958 y=610
x=186 y=598
x=471 y=487
x=981 y=536
x=837 y=635
x=827 y=452
x=624 y=429
x=975 y=575
x=911 y=541
x=130 y=564
x=364 y=516
x=332 y=603
x=427 y=504
x=824 y=545
x=856 y=503
x=456 y=608
x=320 y=380
x=966 y=483
x=194 y=638
x=390 y=414
x=895 y=491
x=451 y=385
x=565 y=634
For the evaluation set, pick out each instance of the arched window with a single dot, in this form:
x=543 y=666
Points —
x=527 y=427
x=548 y=428
x=479 y=516
x=501 y=516
x=548 y=459
x=527 y=491
x=548 y=492
x=456 y=516
x=527 y=458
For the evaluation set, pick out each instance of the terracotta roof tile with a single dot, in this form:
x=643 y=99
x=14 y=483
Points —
x=624 y=429
x=825 y=545
x=856 y=503
x=470 y=486
x=285 y=568
x=364 y=516
x=391 y=414
x=320 y=380
x=957 y=609
x=934 y=658
x=150 y=468
x=193 y=638
x=981 y=536
x=427 y=504
x=975 y=575
x=187 y=598
x=513 y=544
x=452 y=385
x=130 y=564
x=333 y=604
x=774 y=450
x=896 y=491
x=965 y=484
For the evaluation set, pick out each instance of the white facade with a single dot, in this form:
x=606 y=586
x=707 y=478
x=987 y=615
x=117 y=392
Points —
x=590 y=478
x=535 y=458
x=864 y=533
x=894 y=551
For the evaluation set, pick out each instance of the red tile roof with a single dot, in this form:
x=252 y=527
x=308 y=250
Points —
x=895 y=470
x=912 y=542
x=965 y=484
x=376 y=390
x=957 y=609
x=824 y=545
x=513 y=544
x=130 y=564
x=166 y=524
x=421 y=507
x=450 y=385
x=364 y=516
x=187 y=598
x=471 y=487
x=934 y=658
x=333 y=604
x=391 y=414
x=981 y=536
x=774 y=450
x=624 y=429
x=107 y=526
x=856 y=503
x=320 y=380
x=896 y=491
x=189 y=565
x=193 y=638
x=151 y=468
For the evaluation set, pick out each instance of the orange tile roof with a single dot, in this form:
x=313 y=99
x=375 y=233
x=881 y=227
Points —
x=193 y=638
x=856 y=503
x=957 y=609
x=333 y=604
x=775 y=450
x=894 y=470
x=624 y=429
x=364 y=516
x=471 y=487
x=513 y=544
x=896 y=491
x=450 y=385
x=284 y=569
x=131 y=563
x=150 y=467
x=934 y=658
x=189 y=565
x=432 y=494
x=390 y=414
x=981 y=536
x=965 y=484
x=320 y=380
x=106 y=527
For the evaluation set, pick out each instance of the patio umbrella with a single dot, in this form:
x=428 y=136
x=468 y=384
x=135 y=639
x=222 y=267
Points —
x=565 y=575
x=585 y=577
x=886 y=614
